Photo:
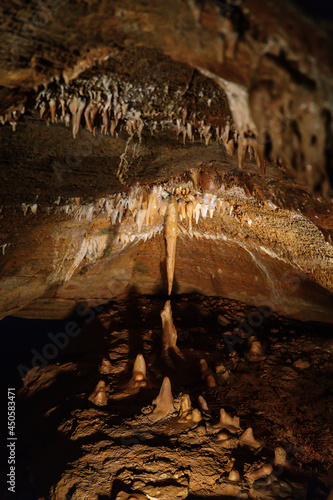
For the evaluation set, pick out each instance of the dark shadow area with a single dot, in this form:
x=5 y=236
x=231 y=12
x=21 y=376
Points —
x=134 y=324
x=320 y=9
x=68 y=357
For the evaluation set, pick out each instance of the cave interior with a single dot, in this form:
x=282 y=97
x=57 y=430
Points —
x=166 y=249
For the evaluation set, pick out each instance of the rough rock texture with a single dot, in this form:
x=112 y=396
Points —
x=98 y=452
x=274 y=64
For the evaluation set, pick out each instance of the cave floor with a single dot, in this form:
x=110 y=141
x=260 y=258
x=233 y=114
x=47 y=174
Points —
x=73 y=449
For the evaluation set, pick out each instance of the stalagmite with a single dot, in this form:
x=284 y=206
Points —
x=263 y=471
x=232 y=424
x=169 y=332
x=170 y=234
x=163 y=402
x=280 y=456
x=105 y=367
x=185 y=413
x=234 y=476
x=247 y=439
x=139 y=372
x=203 y=404
x=137 y=381
x=255 y=352
x=207 y=374
x=98 y=397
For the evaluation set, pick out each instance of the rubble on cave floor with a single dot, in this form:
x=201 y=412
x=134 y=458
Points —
x=262 y=430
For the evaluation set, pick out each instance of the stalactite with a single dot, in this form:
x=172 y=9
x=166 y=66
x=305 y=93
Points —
x=170 y=234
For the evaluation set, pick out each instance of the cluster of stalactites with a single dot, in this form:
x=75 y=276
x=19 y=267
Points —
x=12 y=115
x=100 y=109
x=160 y=206
x=110 y=106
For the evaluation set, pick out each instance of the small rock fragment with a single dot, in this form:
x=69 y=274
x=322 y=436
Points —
x=196 y=416
x=234 y=476
x=223 y=436
x=223 y=321
x=301 y=364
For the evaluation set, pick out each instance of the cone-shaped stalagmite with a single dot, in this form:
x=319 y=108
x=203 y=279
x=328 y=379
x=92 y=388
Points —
x=137 y=381
x=139 y=372
x=170 y=234
x=163 y=402
x=169 y=335
x=228 y=422
x=247 y=438
x=207 y=374
x=98 y=397
x=185 y=413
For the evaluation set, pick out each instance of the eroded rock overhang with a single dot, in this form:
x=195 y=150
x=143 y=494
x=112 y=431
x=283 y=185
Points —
x=100 y=147
x=232 y=242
